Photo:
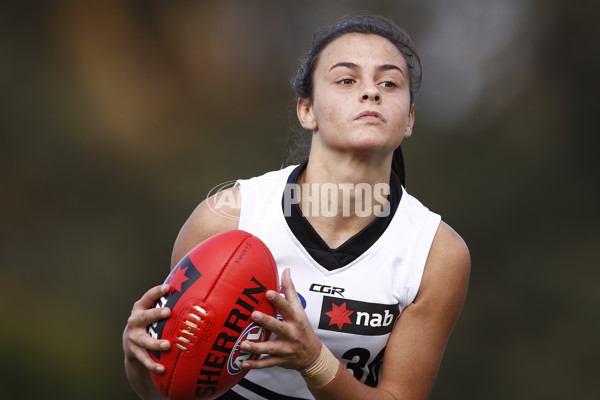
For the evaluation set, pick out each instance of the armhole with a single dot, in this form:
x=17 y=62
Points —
x=244 y=199
x=420 y=255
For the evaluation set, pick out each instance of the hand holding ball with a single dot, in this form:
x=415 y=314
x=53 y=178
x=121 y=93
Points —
x=214 y=290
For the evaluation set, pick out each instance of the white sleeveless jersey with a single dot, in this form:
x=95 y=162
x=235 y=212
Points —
x=353 y=308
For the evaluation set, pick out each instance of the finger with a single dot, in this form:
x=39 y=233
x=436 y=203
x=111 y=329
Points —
x=273 y=324
x=290 y=303
x=144 y=340
x=151 y=296
x=270 y=347
x=288 y=286
x=147 y=317
x=144 y=357
x=289 y=289
x=282 y=304
x=261 y=363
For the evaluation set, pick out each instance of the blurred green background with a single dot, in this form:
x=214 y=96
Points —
x=118 y=117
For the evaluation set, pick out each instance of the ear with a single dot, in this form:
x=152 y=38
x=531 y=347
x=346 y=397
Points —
x=305 y=114
x=410 y=122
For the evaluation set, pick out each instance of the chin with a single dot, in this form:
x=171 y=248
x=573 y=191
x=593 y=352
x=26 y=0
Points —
x=370 y=149
x=374 y=143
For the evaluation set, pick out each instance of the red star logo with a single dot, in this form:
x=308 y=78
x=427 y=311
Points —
x=339 y=315
x=177 y=278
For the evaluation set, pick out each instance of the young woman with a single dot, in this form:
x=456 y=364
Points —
x=373 y=281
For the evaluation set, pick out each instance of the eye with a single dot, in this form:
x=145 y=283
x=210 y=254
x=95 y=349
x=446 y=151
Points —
x=388 y=84
x=346 y=81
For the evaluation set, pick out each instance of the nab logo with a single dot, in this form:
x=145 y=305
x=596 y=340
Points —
x=316 y=287
x=357 y=317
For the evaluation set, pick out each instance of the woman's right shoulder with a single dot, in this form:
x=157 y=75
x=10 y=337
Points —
x=218 y=213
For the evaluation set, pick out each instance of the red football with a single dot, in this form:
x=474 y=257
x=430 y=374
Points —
x=214 y=289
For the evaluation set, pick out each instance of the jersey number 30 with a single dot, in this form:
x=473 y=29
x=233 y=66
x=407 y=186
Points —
x=357 y=367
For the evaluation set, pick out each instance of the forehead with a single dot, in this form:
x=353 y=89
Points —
x=361 y=49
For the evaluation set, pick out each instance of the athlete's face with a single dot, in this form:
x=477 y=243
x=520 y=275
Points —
x=361 y=96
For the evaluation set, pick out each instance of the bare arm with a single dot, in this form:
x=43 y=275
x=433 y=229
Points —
x=205 y=221
x=415 y=347
x=212 y=216
x=423 y=329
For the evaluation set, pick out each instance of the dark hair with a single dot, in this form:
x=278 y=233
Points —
x=367 y=24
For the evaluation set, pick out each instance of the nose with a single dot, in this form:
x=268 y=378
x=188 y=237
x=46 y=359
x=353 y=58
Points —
x=371 y=93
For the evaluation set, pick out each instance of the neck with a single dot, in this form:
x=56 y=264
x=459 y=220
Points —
x=341 y=195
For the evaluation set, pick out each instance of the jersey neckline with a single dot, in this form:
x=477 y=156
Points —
x=351 y=249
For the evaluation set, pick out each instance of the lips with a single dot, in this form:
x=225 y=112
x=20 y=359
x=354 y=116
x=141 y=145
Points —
x=370 y=116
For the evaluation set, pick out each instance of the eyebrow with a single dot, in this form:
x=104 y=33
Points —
x=351 y=65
